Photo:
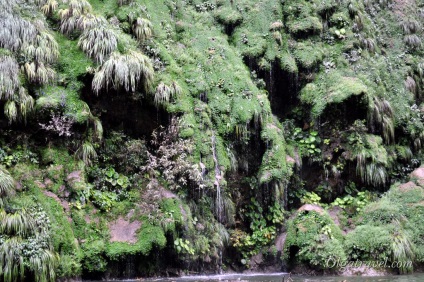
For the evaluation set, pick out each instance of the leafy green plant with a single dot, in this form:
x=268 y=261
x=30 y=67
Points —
x=183 y=246
x=308 y=142
x=109 y=181
x=313 y=238
x=104 y=200
x=311 y=198
x=352 y=204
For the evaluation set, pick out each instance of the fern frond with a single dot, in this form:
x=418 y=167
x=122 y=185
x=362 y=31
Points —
x=369 y=44
x=11 y=258
x=39 y=73
x=98 y=128
x=18 y=223
x=43 y=49
x=410 y=26
x=164 y=92
x=411 y=85
x=70 y=16
x=26 y=103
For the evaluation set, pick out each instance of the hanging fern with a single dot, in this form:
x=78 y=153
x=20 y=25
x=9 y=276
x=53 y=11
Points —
x=142 y=29
x=410 y=26
x=7 y=184
x=26 y=103
x=98 y=42
x=412 y=40
x=87 y=153
x=11 y=111
x=43 y=49
x=371 y=160
x=14 y=31
x=9 y=80
x=164 y=92
x=47 y=6
x=70 y=17
x=124 y=71
x=39 y=73
x=381 y=118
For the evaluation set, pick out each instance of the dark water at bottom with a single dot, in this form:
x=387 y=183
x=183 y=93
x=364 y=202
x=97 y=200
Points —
x=282 y=277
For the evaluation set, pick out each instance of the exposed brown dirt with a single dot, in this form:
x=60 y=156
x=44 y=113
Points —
x=122 y=230
x=75 y=176
x=407 y=186
x=418 y=173
x=63 y=203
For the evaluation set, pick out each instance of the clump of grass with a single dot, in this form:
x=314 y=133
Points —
x=98 y=42
x=125 y=71
x=143 y=29
x=9 y=77
x=164 y=92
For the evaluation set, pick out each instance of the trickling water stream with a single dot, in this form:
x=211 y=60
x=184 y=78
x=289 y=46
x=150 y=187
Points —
x=218 y=203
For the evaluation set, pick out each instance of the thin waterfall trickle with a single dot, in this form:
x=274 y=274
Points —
x=218 y=201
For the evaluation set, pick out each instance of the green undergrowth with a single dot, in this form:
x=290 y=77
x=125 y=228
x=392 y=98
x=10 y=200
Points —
x=313 y=239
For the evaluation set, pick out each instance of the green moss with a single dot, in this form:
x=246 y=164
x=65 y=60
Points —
x=148 y=236
x=307 y=24
x=317 y=238
x=57 y=98
x=308 y=54
x=73 y=63
x=287 y=62
x=369 y=242
x=94 y=260
x=228 y=16
x=58 y=156
x=330 y=88
x=62 y=235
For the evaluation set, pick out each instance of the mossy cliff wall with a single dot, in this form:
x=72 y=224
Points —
x=153 y=137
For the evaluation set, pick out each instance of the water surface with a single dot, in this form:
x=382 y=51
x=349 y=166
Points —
x=283 y=277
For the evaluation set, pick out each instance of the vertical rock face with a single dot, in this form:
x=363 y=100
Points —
x=169 y=135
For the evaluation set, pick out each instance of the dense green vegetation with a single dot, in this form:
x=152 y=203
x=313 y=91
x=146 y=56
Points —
x=145 y=137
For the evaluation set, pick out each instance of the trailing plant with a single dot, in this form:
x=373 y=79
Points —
x=74 y=17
